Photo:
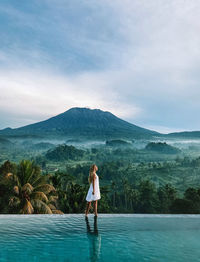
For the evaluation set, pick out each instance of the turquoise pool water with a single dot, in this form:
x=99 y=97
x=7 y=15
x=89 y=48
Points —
x=119 y=237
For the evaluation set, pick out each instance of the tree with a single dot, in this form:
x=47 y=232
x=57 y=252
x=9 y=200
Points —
x=192 y=195
x=166 y=194
x=182 y=206
x=29 y=192
x=148 y=199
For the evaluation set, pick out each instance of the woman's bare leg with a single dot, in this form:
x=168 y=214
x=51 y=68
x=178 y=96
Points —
x=87 y=208
x=95 y=207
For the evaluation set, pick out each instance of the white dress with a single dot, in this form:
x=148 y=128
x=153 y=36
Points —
x=96 y=196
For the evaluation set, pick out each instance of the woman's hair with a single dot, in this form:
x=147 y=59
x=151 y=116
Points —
x=91 y=173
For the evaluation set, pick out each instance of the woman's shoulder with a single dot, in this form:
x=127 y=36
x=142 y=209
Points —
x=94 y=175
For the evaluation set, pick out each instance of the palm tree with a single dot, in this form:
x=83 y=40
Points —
x=30 y=192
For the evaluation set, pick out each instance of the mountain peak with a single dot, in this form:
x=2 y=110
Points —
x=85 y=109
x=84 y=122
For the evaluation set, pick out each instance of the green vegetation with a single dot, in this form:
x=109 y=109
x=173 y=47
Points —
x=64 y=152
x=127 y=189
x=162 y=148
x=24 y=190
x=41 y=177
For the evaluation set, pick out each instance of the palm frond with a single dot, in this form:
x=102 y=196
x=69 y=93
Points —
x=9 y=175
x=52 y=207
x=39 y=181
x=28 y=171
x=27 y=188
x=39 y=195
x=27 y=208
x=14 y=201
x=12 y=177
x=46 y=188
x=53 y=199
x=35 y=173
x=16 y=190
x=40 y=207
x=57 y=212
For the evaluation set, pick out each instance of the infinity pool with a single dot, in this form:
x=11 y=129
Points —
x=119 y=237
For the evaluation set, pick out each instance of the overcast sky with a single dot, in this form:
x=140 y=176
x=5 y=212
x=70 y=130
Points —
x=138 y=59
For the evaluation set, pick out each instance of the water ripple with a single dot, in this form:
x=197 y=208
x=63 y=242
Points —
x=110 y=237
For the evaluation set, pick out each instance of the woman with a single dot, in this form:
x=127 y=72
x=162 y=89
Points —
x=94 y=191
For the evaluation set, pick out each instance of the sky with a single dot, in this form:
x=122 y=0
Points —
x=138 y=59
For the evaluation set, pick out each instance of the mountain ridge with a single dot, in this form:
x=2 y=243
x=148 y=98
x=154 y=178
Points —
x=83 y=121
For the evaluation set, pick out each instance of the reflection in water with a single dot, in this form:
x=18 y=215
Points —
x=94 y=240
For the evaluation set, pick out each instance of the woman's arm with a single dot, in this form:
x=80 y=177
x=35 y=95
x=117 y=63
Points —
x=93 y=182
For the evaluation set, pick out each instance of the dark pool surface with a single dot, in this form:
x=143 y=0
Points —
x=110 y=237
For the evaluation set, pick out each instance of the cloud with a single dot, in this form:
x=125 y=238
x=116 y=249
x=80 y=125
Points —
x=138 y=59
x=35 y=95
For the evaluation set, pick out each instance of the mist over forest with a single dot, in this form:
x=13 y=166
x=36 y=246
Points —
x=144 y=173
